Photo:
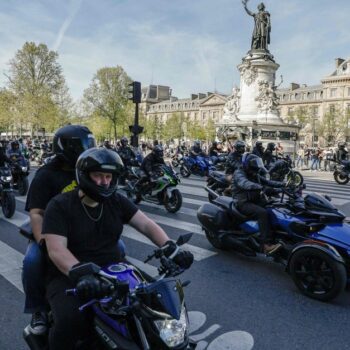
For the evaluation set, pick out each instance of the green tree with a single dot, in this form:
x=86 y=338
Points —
x=108 y=95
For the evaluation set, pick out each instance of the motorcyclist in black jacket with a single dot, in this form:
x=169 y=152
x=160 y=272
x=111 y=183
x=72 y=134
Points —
x=247 y=184
x=341 y=153
x=3 y=157
x=196 y=149
x=258 y=149
x=268 y=156
x=125 y=152
x=150 y=165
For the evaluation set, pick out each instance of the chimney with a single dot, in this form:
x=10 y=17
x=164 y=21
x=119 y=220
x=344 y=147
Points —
x=194 y=97
x=338 y=62
x=294 y=86
x=201 y=95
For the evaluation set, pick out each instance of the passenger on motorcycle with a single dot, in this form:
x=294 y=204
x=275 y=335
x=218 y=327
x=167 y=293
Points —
x=214 y=151
x=53 y=178
x=258 y=149
x=83 y=226
x=248 y=182
x=341 y=153
x=107 y=144
x=269 y=157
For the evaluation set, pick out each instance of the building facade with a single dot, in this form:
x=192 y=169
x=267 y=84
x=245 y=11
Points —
x=331 y=96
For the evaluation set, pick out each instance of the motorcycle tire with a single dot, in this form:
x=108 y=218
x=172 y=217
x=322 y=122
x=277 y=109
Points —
x=295 y=178
x=174 y=203
x=184 y=171
x=23 y=185
x=8 y=203
x=340 y=178
x=214 y=241
x=330 y=279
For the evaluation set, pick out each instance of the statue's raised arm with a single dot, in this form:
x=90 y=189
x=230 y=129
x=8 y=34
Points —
x=250 y=13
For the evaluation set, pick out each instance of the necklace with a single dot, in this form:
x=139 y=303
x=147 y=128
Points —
x=89 y=216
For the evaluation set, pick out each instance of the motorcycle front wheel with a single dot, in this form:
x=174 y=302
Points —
x=184 y=171
x=295 y=178
x=173 y=204
x=341 y=178
x=8 y=203
x=23 y=185
x=316 y=274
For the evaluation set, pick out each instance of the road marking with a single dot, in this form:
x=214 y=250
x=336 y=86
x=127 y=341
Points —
x=212 y=329
x=236 y=340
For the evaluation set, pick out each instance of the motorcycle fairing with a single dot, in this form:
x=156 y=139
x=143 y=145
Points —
x=337 y=234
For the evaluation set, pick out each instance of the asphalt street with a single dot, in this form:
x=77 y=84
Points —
x=235 y=302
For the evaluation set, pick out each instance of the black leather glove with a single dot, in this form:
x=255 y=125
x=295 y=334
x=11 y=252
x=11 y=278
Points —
x=183 y=258
x=89 y=287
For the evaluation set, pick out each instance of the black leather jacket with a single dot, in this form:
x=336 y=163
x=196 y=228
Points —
x=150 y=164
x=268 y=157
x=258 y=152
x=196 y=151
x=3 y=158
x=341 y=154
x=233 y=162
x=126 y=154
x=248 y=188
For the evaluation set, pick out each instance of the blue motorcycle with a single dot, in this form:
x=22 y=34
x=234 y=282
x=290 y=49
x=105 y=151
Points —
x=314 y=235
x=134 y=310
x=200 y=165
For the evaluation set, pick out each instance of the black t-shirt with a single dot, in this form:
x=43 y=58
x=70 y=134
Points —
x=49 y=181
x=88 y=241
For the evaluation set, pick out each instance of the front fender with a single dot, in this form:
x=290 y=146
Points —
x=169 y=191
x=326 y=248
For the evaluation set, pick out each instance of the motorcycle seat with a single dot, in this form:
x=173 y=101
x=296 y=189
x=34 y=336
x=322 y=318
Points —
x=229 y=204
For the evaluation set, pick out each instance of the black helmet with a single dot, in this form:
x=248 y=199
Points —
x=15 y=145
x=124 y=141
x=215 y=143
x=197 y=143
x=271 y=146
x=341 y=144
x=252 y=163
x=239 y=146
x=259 y=144
x=70 y=141
x=158 y=152
x=98 y=159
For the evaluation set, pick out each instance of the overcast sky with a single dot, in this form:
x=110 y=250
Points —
x=191 y=46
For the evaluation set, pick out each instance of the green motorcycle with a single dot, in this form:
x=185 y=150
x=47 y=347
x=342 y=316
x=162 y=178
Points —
x=162 y=191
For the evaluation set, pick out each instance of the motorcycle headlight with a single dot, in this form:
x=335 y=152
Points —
x=172 y=331
x=6 y=178
x=210 y=162
x=24 y=169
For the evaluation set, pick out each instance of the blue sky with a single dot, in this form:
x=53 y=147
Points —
x=191 y=46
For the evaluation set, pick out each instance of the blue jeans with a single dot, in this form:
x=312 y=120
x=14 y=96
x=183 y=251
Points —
x=300 y=161
x=315 y=164
x=33 y=277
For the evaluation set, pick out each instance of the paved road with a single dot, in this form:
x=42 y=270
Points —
x=236 y=302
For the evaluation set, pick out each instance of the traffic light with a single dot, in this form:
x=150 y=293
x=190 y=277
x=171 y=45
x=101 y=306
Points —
x=135 y=92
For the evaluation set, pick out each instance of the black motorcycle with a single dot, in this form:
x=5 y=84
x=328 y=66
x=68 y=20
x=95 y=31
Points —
x=20 y=172
x=216 y=182
x=7 y=197
x=282 y=170
x=135 y=311
x=341 y=172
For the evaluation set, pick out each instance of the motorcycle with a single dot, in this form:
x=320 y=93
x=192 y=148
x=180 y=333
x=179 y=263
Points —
x=314 y=236
x=196 y=166
x=136 y=312
x=162 y=191
x=220 y=161
x=216 y=182
x=177 y=159
x=20 y=172
x=7 y=197
x=341 y=172
x=282 y=170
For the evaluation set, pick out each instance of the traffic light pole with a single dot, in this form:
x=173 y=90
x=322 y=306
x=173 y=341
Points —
x=136 y=129
x=135 y=136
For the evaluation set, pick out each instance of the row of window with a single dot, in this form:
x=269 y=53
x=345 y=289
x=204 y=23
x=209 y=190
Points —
x=196 y=116
x=313 y=110
x=312 y=95
x=174 y=106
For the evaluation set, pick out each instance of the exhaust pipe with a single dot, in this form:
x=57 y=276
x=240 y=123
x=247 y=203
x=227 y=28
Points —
x=210 y=191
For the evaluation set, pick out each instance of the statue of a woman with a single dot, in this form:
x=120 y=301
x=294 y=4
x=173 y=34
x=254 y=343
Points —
x=262 y=28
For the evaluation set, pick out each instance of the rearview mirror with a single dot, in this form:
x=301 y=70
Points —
x=184 y=238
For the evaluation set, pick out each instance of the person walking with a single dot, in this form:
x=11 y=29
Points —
x=300 y=158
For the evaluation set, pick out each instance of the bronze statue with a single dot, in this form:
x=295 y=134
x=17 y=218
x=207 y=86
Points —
x=262 y=28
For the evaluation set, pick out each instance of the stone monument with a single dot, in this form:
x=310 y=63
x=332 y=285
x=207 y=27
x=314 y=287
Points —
x=251 y=112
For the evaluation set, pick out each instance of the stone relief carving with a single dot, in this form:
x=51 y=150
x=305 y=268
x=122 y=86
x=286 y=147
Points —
x=249 y=73
x=231 y=107
x=267 y=98
x=229 y=133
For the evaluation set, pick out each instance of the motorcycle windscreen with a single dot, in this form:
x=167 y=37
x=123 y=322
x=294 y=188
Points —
x=164 y=296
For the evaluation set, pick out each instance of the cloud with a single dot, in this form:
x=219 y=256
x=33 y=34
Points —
x=73 y=10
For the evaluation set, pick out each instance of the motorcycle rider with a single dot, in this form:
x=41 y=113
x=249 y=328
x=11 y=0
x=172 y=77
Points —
x=341 y=153
x=3 y=157
x=150 y=165
x=248 y=182
x=268 y=156
x=53 y=178
x=125 y=152
x=258 y=149
x=14 y=152
x=214 y=152
x=196 y=150
x=82 y=226
x=107 y=144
